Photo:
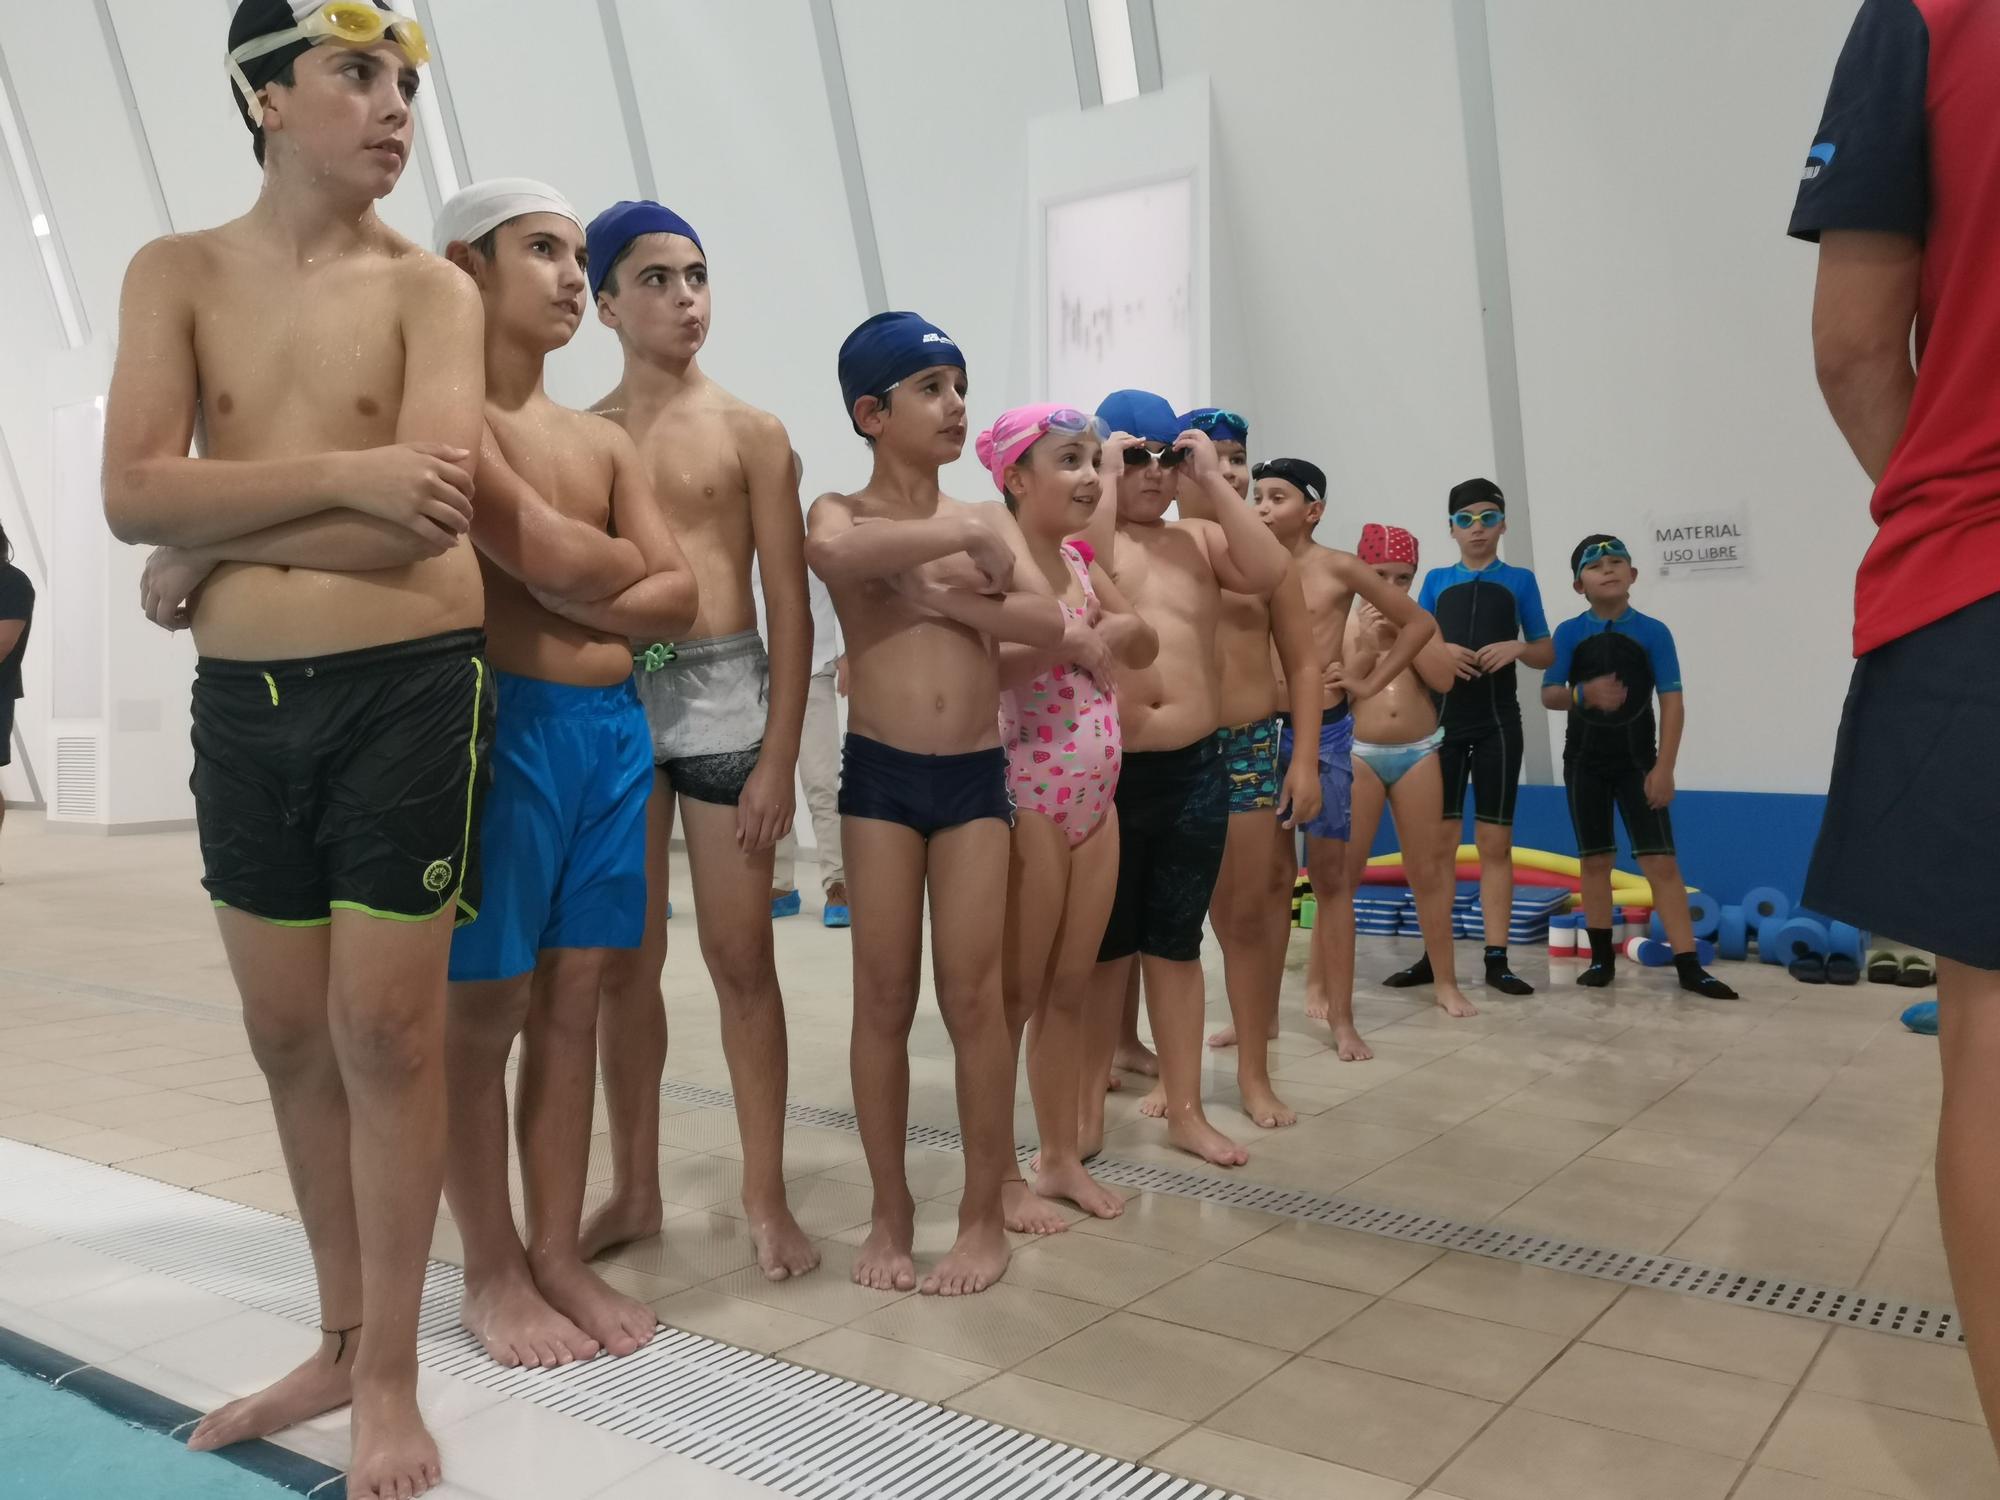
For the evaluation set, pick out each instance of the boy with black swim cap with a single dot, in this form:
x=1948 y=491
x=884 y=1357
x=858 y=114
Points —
x=1490 y=615
x=342 y=708
x=1609 y=662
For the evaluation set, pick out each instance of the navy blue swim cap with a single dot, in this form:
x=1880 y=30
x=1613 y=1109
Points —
x=1142 y=414
x=889 y=347
x=613 y=230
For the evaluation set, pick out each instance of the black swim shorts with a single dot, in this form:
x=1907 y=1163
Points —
x=1595 y=788
x=925 y=793
x=349 y=782
x=1488 y=757
x=1173 y=820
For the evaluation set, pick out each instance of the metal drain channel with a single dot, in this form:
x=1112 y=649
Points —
x=794 y=1429
x=1802 y=1299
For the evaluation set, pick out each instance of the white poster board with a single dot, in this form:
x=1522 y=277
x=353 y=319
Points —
x=1682 y=543
x=1120 y=291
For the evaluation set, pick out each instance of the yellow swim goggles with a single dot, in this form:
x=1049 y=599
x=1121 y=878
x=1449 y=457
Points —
x=354 y=23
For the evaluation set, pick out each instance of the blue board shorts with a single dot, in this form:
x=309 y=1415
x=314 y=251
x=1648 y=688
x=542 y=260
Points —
x=563 y=837
x=1336 y=773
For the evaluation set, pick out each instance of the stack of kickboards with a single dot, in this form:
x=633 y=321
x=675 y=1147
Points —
x=1391 y=911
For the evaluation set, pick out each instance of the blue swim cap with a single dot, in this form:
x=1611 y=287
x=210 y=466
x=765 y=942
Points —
x=1142 y=414
x=1220 y=423
x=887 y=348
x=611 y=231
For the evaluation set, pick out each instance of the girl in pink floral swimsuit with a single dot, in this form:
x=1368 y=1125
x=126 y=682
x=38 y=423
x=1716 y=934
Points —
x=1059 y=723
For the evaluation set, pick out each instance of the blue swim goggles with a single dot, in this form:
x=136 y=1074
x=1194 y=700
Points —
x=1598 y=551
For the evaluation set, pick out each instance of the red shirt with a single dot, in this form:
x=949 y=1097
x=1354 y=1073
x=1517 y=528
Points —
x=1910 y=144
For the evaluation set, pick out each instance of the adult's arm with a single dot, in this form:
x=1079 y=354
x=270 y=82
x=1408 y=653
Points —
x=1864 y=307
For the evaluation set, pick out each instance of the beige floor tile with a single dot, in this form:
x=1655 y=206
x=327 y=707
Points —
x=928 y=1173
x=1529 y=1132
x=108 y=1147
x=262 y=1152
x=1901 y=1372
x=1279 y=1311
x=1767 y=1247
x=1258 y=1472
x=828 y=1294
x=691 y=1247
x=54 y=1098
x=1454 y=1195
x=1471 y=1158
x=1445 y=1349
x=1178 y=1372
x=41 y=1129
x=808 y=1150
x=1106 y=1271
x=1339 y=1133
x=1748 y=1116
x=1069 y=1416
x=1698 y=1331
x=1909 y=1276
x=1561 y=1099
x=1617 y=1219
x=748 y=1325
x=215 y=1122
x=189 y=1169
x=235 y=1090
x=701 y=1181
x=1673 y=1403
x=635 y=1284
x=822 y=1208
x=1187 y=1226
x=270 y=1191
x=137 y=1110
x=700 y=1129
x=1528 y=1456
x=1887 y=1452
x=1355 y=1418
x=1504 y=1291
x=889 y=1365
x=1687 y=1153
x=1001 y=1326
x=1760 y=1483
x=1334 y=1257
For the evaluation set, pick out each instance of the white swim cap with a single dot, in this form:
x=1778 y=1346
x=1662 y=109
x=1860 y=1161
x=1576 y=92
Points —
x=485 y=206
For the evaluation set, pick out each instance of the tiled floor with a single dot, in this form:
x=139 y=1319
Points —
x=1789 y=1134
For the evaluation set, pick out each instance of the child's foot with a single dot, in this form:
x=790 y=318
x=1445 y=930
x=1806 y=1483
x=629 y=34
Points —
x=620 y=1323
x=1265 y=1109
x=320 y=1385
x=974 y=1263
x=394 y=1455
x=783 y=1249
x=1597 y=976
x=1316 y=1007
x=1418 y=974
x=1073 y=1184
x=1348 y=1044
x=885 y=1263
x=1451 y=1000
x=516 y=1326
x=1113 y=1083
x=1154 y=1105
x=1197 y=1137
x=1697 y=980
x=619 y=1220
x=1136 y=1057
x=1501 y=976
x=1024 y=1212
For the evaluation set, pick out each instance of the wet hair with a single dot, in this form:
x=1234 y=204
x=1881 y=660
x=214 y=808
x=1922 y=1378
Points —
x=1576 y=552
x=289 y=79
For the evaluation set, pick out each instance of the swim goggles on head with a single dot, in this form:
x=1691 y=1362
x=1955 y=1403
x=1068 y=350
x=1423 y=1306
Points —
x=1465 y=520
x=354 y=23
x=1598 y=551
x=1208 y=421
x=1167 y=457
x=1073 y=423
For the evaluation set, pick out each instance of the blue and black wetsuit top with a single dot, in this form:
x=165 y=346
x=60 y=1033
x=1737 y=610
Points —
x=1475 y=608
x=1639 y=651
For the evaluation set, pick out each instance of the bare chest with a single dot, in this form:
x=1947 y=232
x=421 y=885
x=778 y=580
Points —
x=558 y=462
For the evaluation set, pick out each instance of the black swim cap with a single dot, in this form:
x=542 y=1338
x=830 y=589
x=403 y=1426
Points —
x=255 y=18
x=1473 y=494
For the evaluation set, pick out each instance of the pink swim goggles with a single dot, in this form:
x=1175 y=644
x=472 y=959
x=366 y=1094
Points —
x=1018 y=430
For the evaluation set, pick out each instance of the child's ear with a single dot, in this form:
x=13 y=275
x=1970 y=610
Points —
x=1577 y=584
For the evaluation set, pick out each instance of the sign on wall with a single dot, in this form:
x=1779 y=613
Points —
x=1698 y=541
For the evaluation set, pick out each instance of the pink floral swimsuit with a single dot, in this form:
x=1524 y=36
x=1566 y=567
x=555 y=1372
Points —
x=1061 y=733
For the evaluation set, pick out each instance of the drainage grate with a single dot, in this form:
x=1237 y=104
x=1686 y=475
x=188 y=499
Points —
x=796 y=1430
x=1938 y=1325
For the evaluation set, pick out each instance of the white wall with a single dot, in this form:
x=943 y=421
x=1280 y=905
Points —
x=1649 y=156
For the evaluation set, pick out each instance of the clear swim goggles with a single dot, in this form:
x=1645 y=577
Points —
x=353 y=23
x=1598 y=551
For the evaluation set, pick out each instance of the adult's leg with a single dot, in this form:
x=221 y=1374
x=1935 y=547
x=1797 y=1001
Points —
x=501 y=1305
x=1332 y=952
x=1038 y=876
x=887 y=863
x=784 y=865
x=1174 y=1001
x=552 y=1133
x=968 y=881
x=632 y=1052
x=819 y=769
x=732 y=906
x=1968 y=1139
x=281 y=973
x=1432 y=869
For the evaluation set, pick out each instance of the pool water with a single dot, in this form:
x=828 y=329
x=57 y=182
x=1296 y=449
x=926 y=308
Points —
x=55 y=1446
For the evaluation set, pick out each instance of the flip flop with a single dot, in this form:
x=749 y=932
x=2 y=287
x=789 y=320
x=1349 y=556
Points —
x=1842 y=969
x=1808 y=968
x=1917 y=973
x=1922 y=1018
x=1883 y=967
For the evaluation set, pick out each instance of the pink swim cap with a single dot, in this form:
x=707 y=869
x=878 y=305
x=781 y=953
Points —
x=1017 y=430
x=1386 y=544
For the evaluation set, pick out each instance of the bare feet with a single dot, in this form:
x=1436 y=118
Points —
x=1265 y=1109
x=1113 y=1083
x=885 y=1262
x=1199 y=1138
x=1134 y=1057
x=621 y=1324
x=1347 y=1042
x=515 y=1326
x=1226 y=1036
x=618 y=1221
x=972 y=1265
x=1075 y=1185
x=319 y=1385
x=1316 y=1007
x=1154 y=1105
x=1025 y=1213
x=394 y=1455
x=1451 y=1000
x=783 y=1249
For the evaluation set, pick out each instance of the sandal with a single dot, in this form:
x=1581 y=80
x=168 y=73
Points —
x=1808 y=968
x=1842 y=969
x=1917 y=973
x=1883 y=967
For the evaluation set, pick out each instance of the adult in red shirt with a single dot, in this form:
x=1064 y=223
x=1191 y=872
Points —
x=1902 y=192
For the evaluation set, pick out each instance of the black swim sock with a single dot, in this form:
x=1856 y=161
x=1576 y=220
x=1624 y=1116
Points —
x=1501 y=977
x=1603 y=960
x=1408 y=979
x=1697 y=980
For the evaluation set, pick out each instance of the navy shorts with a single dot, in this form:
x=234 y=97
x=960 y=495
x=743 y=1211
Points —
x=925 y=793
x=1906 y=845
x=1336 y=774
